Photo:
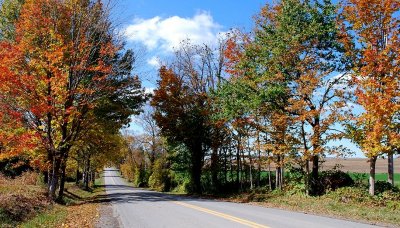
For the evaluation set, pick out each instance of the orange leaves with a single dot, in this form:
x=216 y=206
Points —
x=56 y=68
x=234 y=54
x=376 y=73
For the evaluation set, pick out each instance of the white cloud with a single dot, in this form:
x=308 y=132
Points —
x=154 y=61
x=149 y=90
x=167 y=33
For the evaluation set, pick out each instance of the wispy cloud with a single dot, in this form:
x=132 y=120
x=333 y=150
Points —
x=154 y=61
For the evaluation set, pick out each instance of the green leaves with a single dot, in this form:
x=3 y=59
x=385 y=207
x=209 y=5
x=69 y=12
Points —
x=9 y=13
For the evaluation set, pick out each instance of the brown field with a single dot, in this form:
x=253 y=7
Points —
x=359 y=165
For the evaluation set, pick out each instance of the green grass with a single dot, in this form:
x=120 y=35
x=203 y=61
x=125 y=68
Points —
x=378 y=177
x=336 y=208
x=99 y=181
x=49 y=218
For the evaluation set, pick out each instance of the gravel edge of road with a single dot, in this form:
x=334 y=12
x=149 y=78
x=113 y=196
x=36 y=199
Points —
x=107 y=218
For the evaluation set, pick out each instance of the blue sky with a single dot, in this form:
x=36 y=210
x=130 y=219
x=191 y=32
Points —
x=157 y=26
x=233 y=13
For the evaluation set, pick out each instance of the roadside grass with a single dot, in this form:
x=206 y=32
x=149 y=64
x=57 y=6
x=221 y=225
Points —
x=79 y=208
x=330 y=205
x=52 y=217
x=349 y=203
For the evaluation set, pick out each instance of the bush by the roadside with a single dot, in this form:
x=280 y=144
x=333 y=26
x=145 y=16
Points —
x=21 y=198
x=160 y=179
x=383 y=186
x=14 y=167
x=20 y=206
x=334 y=179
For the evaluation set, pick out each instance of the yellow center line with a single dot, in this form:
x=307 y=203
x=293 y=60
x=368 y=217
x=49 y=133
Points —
x=222 y=215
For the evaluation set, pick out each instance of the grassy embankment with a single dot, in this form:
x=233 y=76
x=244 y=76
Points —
x=23 y=204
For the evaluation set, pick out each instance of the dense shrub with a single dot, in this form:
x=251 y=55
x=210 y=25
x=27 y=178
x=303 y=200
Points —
x=140 y=177
x=334 y=179
x=160 y=178
x=295 y=181
x=14 y=167
x=180 y=182
x=383 y=186
x=349 y=195
x=127 y=171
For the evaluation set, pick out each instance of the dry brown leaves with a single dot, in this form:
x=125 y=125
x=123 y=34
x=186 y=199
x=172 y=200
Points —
x=84 y=215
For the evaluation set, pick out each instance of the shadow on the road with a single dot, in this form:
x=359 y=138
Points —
x=128 y=194
x=128 y=197
x=106 y=170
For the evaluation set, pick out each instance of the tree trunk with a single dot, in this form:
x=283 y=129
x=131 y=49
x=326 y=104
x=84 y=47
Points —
x=269 y=174
x=87 y=168
x=250 y=171
x=307 y=180
x=93 y=177
x=197 y=159
x=45 y=177
x=306 y=155
x=372 y=163
x=279 y=178
x=390 y=168
x=279 y=173
x=243 y=172
x=314 y=176
x=230 y=165
x=62 y=180
x=225 y=165
x=214 y=168
x=238 y=169
x=259 y=168
x=53 y=181
x=77 y=174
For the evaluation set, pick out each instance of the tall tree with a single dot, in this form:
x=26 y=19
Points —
x=60 y=67
x=179 y=114
x=375 y=48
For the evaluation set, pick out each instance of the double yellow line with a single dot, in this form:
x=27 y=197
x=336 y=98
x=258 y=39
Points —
x=222 y=215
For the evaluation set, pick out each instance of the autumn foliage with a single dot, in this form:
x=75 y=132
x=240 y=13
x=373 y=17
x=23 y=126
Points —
x=60 y=68
x=375 y=75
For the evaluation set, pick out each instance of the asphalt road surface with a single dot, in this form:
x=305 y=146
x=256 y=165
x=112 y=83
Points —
x=143 y=208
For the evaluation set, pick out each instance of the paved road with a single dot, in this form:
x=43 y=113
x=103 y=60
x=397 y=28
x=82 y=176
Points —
x=142 y=208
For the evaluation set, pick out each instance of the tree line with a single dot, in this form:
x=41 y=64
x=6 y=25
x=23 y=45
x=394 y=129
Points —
x=309 y=73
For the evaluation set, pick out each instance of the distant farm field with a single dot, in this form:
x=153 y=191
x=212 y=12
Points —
x=359 y=165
